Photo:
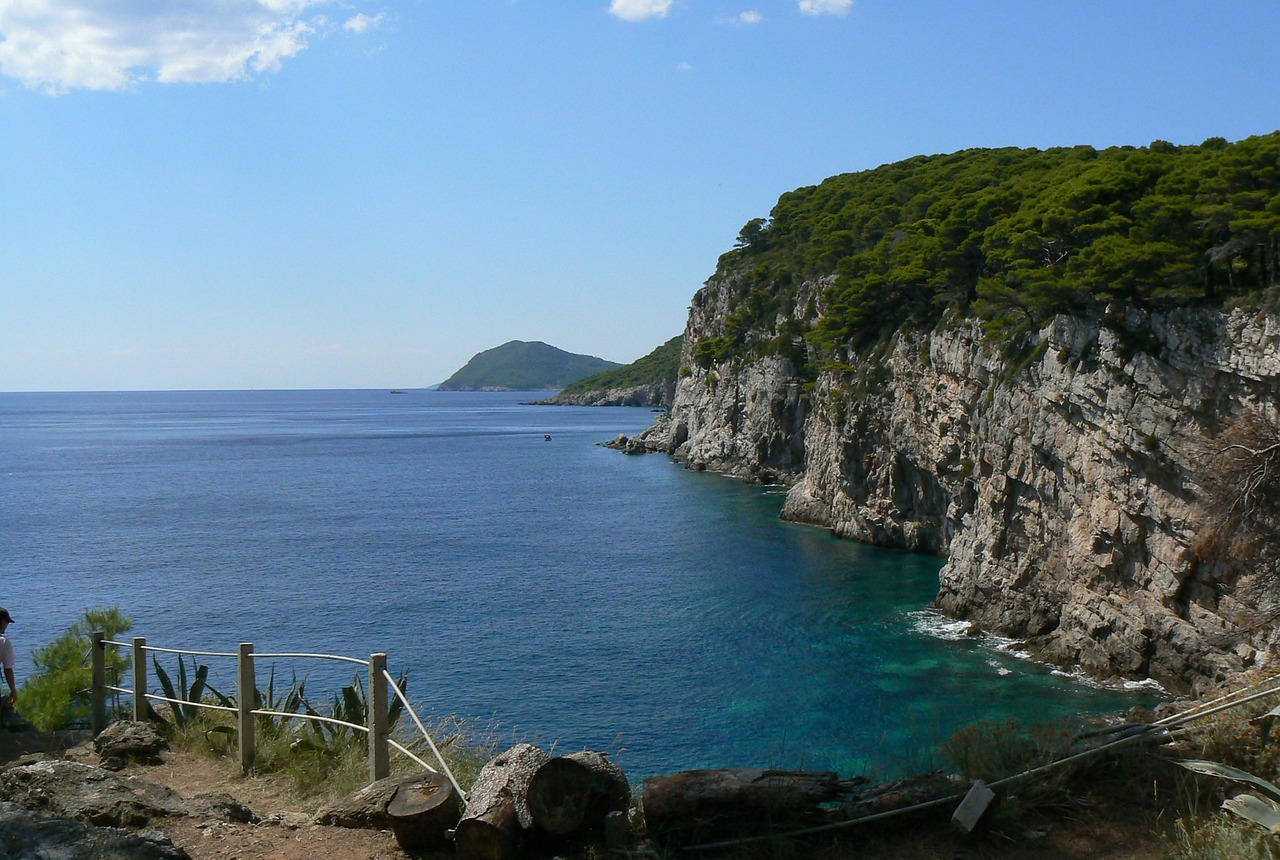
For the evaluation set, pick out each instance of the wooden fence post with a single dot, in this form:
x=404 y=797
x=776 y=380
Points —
x=98 y=657
x=379 y=749
x=140 y=678
x=247 y=692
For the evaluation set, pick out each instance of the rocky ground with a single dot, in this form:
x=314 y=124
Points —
x=59 y=803
x=208 y=803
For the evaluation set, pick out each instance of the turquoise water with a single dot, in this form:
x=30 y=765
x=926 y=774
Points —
x=556 y=590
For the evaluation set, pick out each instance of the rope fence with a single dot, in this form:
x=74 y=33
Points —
x=377 y=703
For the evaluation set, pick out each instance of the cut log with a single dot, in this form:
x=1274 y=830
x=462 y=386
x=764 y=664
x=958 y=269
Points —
x=420 y=812
x=573 y=793
x=713 y=803
x=497 y=813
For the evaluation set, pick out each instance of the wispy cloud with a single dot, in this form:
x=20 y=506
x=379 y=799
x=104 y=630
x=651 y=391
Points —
x=640 y=10
x=361 y=22
x=60 y=45
x=826 y=7
x=684 y=66
x=747 y=18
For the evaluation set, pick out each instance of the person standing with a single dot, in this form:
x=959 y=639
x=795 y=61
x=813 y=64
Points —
x=6 y=660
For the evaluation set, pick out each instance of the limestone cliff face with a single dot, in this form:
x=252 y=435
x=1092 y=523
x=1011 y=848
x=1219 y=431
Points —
x=656 y=394
x=742 y=419
x=1065 y=488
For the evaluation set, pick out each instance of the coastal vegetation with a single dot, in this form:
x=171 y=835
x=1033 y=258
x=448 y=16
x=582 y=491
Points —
x=1010 y=235
x=1055 y=798
x=56 y=694
x=658 y=367
x=523 y=366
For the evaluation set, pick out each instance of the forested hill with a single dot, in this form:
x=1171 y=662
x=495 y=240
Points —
x=1011 y=235
x=656 y=368
x=647 y=381
x=523 y=366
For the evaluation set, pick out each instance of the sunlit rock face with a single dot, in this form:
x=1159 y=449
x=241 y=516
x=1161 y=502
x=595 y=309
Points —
x=1065 y=486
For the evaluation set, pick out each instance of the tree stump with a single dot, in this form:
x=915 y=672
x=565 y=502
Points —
x=712 y=803
x=420 y=812
x=497 y=813
x=574 y=793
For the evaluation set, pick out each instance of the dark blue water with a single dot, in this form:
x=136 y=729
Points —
x=561 y=591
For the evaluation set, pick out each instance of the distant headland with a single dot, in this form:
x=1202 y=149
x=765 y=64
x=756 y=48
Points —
x=524 y=366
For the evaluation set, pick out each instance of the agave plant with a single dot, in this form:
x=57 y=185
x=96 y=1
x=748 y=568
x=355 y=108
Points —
x=186 y=697
x=1262 y=811
x=349 y=706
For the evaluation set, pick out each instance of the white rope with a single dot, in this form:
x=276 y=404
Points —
x=405 y=750
x=447 y=772
x=1212 y=706
x=192 y=653
x=355 y=660
x=313 y=717
x=159 y=698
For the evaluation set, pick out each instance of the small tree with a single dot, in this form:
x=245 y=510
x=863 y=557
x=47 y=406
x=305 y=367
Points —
x=1245 y=485
x=750 y=232
x=57 y=694
x=1242 y=477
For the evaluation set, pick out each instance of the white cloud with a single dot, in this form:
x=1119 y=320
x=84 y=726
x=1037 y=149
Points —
x=684 y=66
x=60 y=45
x=751 y=16
x=826 y=7
x=362 y=22
x=640 y=10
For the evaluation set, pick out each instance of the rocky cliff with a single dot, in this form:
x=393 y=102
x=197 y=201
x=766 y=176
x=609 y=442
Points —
x=1068 y=487
x=650 y=394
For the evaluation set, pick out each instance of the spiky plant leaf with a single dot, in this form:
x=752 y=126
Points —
x=395 y=708
x=353 y=707
x=182 y=689
x=225 y=701
x=1254 y=809
x=1267 y=720
x=167 y=685
x=1213 y=768
x=196 y=693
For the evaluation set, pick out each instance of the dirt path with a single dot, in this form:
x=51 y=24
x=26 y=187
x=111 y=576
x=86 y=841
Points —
x=285 y=832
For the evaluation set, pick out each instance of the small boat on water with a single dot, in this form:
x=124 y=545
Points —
x=547 y=438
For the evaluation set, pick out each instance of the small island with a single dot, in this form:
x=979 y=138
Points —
x=524 y=366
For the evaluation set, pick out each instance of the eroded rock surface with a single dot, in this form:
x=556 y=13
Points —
x=27 y=835
x=1065 y=487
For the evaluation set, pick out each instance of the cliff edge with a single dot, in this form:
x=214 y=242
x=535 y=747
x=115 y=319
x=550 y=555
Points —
x=1070 y=489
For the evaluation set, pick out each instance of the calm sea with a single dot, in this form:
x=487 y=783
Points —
x=547 y=590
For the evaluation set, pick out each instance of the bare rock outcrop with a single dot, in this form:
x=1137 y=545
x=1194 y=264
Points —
x=651 y=394
x=27 y=835
x=1066 y=487
x=128 y=741
x=67 y=789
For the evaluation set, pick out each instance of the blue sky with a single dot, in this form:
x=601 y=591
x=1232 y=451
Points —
x=310 y=194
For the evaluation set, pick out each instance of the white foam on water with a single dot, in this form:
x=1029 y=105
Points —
x=1080 y=677
x=930 y=622
x=1005 y=645
x=933 y=623
x=1146 y=684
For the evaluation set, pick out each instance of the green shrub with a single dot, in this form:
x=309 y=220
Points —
x=57 y=696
